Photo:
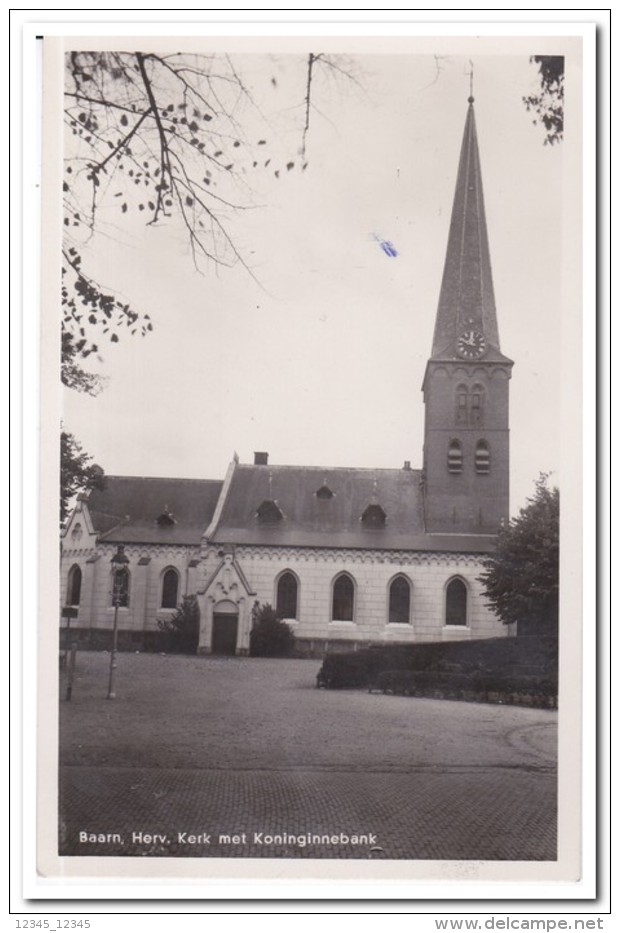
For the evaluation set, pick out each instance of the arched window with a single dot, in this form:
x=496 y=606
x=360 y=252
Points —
x=170 y=589
x=456 y=602
x=286 y=596
x=469 y=404
x=74 y=586
x=455 y=457
x=120 y=587
x=400 y=601
x=462 y=404
x=477 y=404
x=483 y=457
x=76 y=533
x=342 y=599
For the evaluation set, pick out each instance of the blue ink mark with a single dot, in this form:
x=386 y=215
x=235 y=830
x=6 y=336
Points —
x=388 y=248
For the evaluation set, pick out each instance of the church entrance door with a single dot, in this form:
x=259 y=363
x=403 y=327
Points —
x=224 y=639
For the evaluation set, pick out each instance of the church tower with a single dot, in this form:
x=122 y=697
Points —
x=466 y=442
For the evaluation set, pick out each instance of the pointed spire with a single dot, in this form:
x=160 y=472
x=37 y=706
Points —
x=466 y=300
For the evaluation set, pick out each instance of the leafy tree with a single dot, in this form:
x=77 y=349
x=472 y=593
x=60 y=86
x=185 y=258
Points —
x=269 y=637
x=77 y=473
x=169 y=139
x=183 y=628
x=548 y=103
x=172 y=139
x=521 y=579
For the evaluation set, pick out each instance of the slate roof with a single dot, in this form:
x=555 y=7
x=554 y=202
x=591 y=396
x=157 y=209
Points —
x=467 y=298
x=311 y=521
x=127 y=509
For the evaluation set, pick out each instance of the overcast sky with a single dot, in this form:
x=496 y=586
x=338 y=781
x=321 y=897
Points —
x=321 y=361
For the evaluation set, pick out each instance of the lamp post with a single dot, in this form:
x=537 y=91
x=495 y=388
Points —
x=119 y=583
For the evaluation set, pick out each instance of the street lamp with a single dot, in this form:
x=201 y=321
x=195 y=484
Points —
x=119 y=590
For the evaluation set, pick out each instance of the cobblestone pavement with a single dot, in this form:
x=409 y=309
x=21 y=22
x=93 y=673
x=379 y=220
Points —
x=204 y=758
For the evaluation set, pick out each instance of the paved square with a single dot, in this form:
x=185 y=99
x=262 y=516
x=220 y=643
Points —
x=215 y=757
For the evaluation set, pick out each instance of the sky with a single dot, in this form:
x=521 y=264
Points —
x=318 y=357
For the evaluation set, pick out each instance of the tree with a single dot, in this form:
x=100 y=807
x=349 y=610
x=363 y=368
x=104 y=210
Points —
x=183 y=628
x=77 y=473
x=521 y=579
x=172 y=139
x=548 y=103
x=169 y=139
x=269 y=636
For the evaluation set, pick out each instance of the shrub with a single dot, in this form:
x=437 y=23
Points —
x=183 y=628
x=270 y=637
x=350 y=669
x=465 y=670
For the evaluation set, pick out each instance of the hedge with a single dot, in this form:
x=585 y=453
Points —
x=508 y=670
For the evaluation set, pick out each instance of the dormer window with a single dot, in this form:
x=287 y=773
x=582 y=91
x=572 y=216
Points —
x=324 y=492
x=269 y=512
x=373 y=516
x=166 y=518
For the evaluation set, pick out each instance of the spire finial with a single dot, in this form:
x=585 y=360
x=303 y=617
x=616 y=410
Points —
x=470 y=99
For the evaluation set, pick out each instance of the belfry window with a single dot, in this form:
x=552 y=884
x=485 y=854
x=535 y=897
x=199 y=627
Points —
x=170 y=589
x=120 y=587
x=483 y=457
x=400 y=601
x=456 y=603
x=286 y=596
x=455 y=457
x=74 y=586
x=342 y=599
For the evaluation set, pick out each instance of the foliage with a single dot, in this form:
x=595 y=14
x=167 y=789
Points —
x=548 y=103
x=269 y=637
x=521 y=579
x=491 y=657
x=488 y=686
x=170 y=139
x=77 y=473
x=183 y=628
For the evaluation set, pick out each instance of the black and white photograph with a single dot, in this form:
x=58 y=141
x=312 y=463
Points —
x=312 y=388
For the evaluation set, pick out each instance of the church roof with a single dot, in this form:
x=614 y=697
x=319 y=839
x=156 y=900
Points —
x=467 y=299
x=310 y=518
x=153 y=510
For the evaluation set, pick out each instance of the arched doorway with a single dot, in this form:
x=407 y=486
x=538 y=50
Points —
x=225 y=628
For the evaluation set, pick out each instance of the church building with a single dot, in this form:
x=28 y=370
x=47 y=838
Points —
x=348 y=557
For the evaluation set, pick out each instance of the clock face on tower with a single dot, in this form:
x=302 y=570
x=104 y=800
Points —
x=471 y=345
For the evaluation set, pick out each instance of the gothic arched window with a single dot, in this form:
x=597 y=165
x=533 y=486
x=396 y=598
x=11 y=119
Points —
x=462 y=404
x=286 y=596
x=170 y=589
x=74 y=586
x=400 y=601
x=455 y=456
x=476 y=408
x=343 y=596
x=483 y=457
x=456 y=602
